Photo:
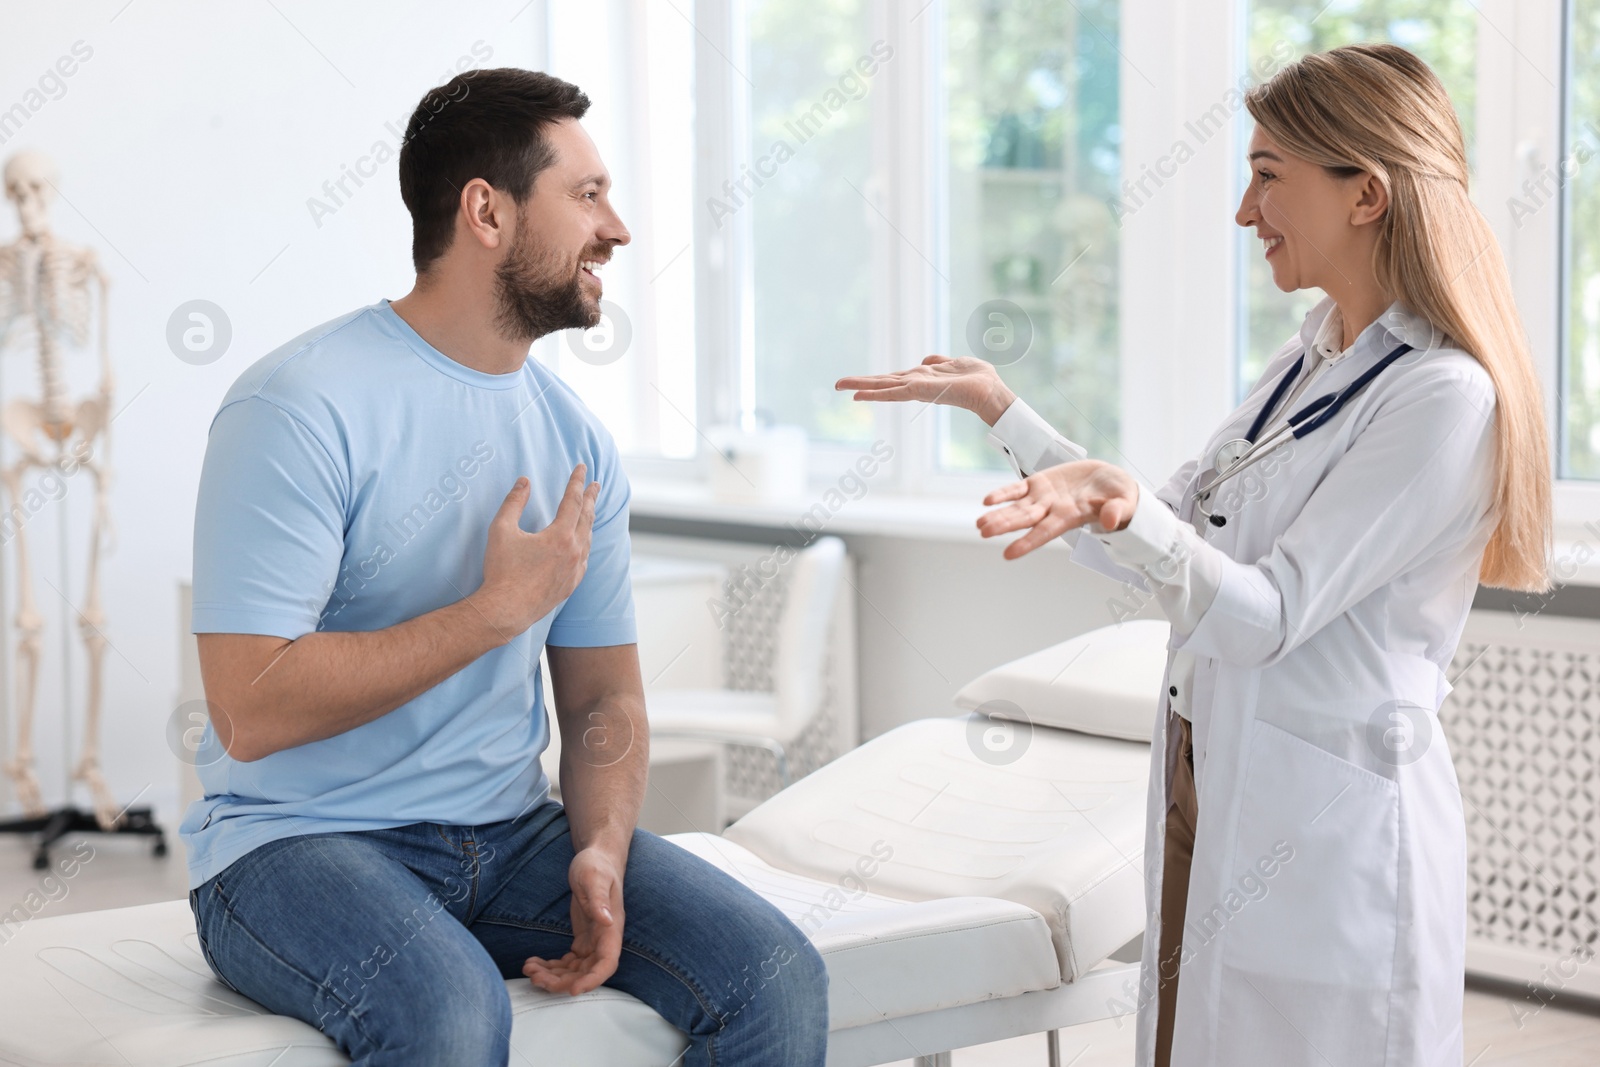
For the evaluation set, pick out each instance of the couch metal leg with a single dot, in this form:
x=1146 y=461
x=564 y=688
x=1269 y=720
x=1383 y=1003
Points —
x=1052 y=1040
x=938 y=1059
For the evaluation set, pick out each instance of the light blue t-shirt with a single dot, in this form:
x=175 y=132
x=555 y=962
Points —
x=348 y=484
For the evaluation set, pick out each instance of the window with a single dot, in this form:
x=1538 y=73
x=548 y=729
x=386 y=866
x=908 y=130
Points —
x=1443 y=32
x=636 y=370
x=944 y=176
x=1579 y=452
x=813 y=67
x=1031 y=122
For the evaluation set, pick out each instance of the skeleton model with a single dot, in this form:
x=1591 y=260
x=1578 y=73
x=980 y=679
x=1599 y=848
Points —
x=47 y=291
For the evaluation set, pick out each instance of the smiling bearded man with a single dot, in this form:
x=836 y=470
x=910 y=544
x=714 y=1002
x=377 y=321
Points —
x=377 y=852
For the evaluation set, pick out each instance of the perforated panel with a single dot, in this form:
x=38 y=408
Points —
x=750 y=650
x=750 y=638
x=1524 y=727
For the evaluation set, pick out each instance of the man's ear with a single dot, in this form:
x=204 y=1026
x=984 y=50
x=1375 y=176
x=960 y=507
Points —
x=486 y=214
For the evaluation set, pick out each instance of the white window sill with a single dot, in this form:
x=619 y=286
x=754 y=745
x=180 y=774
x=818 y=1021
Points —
x=875 y=513
x=1575 y=561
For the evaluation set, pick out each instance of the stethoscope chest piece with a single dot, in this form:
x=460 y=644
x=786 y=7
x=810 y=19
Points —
x=1223 y=461
x=1229 y=453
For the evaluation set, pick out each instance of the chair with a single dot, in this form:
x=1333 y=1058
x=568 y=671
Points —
x=771 y=721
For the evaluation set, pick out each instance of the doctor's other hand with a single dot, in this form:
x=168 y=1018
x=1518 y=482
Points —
x=525 y=575
x=965 y=382
x=1058 y=499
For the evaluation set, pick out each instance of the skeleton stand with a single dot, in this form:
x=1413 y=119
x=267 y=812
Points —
x=49 y=285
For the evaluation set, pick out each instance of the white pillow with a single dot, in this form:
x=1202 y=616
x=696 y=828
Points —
x=1106 y=682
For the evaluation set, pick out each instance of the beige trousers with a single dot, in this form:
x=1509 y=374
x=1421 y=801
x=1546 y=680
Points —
x=1181 y=813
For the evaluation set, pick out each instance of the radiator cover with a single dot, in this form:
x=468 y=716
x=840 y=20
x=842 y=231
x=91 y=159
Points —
x=1523 y=724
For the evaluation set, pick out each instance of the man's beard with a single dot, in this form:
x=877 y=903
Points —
x=532 y=298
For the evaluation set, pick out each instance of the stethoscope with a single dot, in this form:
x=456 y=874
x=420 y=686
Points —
x=1234 y=456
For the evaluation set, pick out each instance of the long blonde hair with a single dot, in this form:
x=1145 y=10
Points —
x=1378 y=108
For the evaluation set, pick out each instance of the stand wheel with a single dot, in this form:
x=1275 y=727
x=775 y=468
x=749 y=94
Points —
x=160 y=848
x=41 y=860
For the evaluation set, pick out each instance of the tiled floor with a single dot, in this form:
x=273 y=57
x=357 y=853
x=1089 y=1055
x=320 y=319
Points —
x=122 y=873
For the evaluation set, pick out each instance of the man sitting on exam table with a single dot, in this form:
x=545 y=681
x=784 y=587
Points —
x=393 y=520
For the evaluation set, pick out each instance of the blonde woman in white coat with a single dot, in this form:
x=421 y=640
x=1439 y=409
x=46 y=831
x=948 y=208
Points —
x=1307 y=879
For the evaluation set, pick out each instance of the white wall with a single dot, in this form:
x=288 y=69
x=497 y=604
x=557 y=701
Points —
x=189 y=143
x=933 y=615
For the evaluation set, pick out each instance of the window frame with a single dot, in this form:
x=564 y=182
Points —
x=1173 y=300
x=1162 y=414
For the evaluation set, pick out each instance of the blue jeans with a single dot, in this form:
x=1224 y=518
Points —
x=397 y=943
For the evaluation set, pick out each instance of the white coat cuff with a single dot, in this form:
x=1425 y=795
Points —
x=1245 y=616
x=1150 y=538
x=1183 y=568
x=1030 y=442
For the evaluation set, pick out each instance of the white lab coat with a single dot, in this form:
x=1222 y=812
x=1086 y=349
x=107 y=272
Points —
x=1327 y=903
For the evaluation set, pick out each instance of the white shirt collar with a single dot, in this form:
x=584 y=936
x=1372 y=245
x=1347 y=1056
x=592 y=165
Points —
x=1398 y=323
x=1330 y=335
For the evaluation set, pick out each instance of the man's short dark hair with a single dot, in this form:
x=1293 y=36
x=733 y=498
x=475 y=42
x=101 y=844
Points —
x=485 y=124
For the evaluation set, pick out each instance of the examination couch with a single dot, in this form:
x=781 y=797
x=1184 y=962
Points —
x=966 y=879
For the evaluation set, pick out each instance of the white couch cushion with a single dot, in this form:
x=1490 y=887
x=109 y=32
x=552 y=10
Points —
x=129 y=987
x=1106 y=682
x=1056 y=824
x=888 y=958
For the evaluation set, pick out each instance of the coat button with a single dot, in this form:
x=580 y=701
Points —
x=1219 y=520
x=1173 y=690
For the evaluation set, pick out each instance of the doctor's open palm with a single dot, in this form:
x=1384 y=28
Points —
x=966 y=382
x=1047 y=503
x=1058 y=499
